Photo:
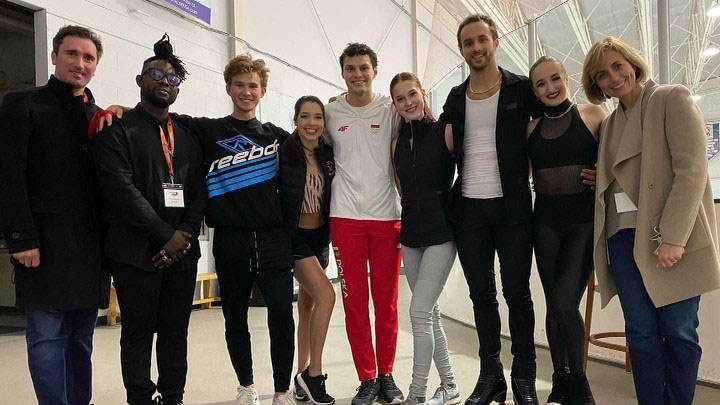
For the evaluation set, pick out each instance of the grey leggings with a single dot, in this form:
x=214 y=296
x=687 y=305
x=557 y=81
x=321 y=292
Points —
x=427 y=270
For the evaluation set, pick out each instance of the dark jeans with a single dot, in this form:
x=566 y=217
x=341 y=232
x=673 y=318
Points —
x=154 y=302
x=59 y=345
x=237 y=269
x=563 y=253
x=663 y=341
x=484 y=229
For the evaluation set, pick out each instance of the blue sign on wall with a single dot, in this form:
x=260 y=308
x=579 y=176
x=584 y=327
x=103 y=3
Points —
x=712 y=136
x=199 y=9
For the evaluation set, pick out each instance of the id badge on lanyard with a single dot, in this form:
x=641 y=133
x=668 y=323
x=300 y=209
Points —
x=172 y=192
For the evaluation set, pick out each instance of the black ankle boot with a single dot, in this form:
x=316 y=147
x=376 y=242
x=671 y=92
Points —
x=558 y=394
x=489 y=388
x=579 y=392
x=524 y=391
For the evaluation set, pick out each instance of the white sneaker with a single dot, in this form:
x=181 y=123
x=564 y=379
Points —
x=247 y=396
x=285 y=399
x=445 y=395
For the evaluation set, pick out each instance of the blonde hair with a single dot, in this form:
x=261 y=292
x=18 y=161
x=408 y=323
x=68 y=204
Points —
x=593 y=65
x=543 y=59
x=246 y=64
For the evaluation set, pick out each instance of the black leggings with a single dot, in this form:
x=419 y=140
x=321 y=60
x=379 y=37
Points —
x=563 y=253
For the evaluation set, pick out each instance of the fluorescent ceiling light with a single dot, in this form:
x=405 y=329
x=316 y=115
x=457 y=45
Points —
x=714 y=11
x=696 y=97
x=711 y=51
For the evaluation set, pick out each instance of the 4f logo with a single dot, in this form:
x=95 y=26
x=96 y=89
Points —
x=343 y=128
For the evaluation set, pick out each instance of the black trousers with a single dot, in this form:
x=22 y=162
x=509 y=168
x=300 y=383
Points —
x=154 y=302
x=242 y=258
x=563 y=253
x=482 y=229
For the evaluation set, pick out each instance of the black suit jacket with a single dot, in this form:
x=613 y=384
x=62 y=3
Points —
x=517 y=105
x=132 y=168
x=47 y=197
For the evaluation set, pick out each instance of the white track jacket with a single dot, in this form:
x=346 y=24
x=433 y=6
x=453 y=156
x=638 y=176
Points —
x=364 y=186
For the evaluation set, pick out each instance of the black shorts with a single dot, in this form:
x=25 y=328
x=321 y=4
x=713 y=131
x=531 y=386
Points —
x=312 y=242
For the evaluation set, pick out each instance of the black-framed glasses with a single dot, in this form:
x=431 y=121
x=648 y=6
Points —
x=157 y=75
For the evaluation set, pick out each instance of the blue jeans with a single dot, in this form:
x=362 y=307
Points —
x=663 y=342
x=59 y=345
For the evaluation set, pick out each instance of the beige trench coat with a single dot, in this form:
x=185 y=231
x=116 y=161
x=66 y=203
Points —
x=663 y=168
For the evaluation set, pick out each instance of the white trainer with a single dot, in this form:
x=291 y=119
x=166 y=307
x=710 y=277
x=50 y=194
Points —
x=247 y=396
x=287 y=398
x=445 y=395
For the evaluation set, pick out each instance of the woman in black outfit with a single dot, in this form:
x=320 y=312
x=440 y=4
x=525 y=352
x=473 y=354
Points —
x=424 y=170
x=562 y=147
x=306 y=172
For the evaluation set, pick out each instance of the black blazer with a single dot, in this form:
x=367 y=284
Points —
x=47 y=197
x=131 y=168
x=291 y=179
x=517 y=105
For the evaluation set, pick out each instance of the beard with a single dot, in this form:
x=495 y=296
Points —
x=482 y=65
x=157 y=101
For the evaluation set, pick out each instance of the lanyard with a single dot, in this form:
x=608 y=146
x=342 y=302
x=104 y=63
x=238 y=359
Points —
x=168 y=150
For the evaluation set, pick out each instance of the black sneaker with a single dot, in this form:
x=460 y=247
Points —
x=300 y=394
x=389 y=392
x=314 y=388
x=367 y=393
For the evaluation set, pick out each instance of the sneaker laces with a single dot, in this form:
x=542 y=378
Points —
x=244 y=391
x=440 y=392
x=387 y=382
x=366 y=388
x=286 y=398
x=320 y=381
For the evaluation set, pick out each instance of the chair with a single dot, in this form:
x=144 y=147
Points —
x=597 y=338
x=205 y=299
x=112 y=310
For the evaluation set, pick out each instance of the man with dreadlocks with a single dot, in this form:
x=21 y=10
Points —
x=152 y=179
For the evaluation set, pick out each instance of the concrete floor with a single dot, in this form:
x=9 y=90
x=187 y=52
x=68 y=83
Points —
x=211 y=380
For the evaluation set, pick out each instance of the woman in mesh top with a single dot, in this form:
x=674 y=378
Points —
x=562 y=147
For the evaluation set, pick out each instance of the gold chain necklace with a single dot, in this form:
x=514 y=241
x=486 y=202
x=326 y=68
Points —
x=484 y=91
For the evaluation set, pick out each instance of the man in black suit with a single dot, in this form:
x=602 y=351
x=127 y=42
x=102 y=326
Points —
x=153 y=183
x=492 y=210
x=47 y=183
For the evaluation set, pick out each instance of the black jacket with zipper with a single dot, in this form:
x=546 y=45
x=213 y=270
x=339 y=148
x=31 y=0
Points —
x=516 y=106
x=425 y=169
x=291 y=180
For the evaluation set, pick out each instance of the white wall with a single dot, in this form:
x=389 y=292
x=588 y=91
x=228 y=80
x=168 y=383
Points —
x=128 y=41
x=455 y=303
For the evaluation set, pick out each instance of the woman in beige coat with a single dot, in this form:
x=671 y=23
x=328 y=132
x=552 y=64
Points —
x=655 y=236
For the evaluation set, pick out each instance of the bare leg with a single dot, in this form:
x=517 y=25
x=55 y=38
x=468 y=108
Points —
x=305 y=307
x=313 y=280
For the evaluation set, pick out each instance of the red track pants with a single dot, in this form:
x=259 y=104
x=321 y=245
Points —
x=356 y=242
